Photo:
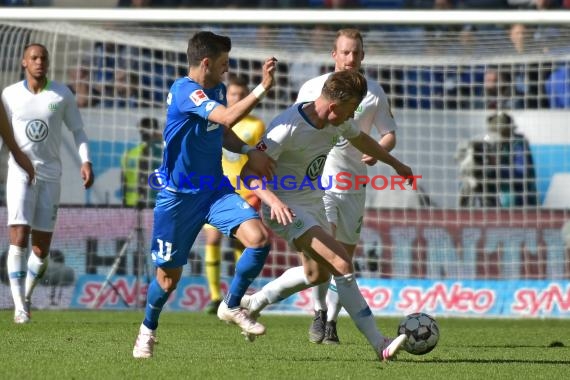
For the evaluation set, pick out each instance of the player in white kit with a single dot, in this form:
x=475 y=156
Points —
x=299 y=139
x=37 y=109
x=8 y=138
x=345 y=205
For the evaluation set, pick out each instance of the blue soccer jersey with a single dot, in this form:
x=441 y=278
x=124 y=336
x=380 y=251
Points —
x=192 y=161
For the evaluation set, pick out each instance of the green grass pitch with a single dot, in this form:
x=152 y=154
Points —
x=98 y=345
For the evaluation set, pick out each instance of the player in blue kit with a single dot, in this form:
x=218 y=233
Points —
x=195 y=192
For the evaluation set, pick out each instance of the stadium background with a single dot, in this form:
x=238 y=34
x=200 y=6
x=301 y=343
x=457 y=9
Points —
x=419 y=250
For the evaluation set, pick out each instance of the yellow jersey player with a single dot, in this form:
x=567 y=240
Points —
x=249 y=129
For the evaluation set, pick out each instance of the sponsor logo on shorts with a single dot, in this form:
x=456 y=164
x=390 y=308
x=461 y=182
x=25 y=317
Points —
x=243 y=205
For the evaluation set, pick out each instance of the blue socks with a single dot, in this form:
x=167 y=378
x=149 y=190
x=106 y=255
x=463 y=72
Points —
x=248 y=268
x=155 y=299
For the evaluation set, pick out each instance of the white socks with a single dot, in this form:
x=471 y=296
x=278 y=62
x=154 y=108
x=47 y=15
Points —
x=333 y=303
x=352 y=300
x=16 y=266
x=36 y=270
x=293 y=280
x=22 y=280
x=325 y=297
x=320 y=296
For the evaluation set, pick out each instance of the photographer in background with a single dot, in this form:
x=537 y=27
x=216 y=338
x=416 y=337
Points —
x=497 y=170
x=516 y=175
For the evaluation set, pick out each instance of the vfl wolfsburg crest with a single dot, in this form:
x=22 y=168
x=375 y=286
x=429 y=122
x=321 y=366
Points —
x=339 y=141
x=36 y=130
x=298 y=223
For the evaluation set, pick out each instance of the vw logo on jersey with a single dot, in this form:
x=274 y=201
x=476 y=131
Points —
x=36 y=130
x=315 y=168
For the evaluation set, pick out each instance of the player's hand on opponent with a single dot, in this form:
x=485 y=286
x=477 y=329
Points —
x=369 y=160
x=25 y=163
x=269 y=68
x=281 y=212
x=260 y=163
x=87 y=174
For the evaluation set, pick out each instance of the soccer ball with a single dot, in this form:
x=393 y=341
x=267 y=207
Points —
x=422 y=332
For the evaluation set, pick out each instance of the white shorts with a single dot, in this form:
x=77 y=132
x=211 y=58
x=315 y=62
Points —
x=346 y=211
x=305 y=218
x=35 y=206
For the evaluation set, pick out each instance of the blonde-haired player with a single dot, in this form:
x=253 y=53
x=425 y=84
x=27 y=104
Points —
x=249 y=129
x=37 y=109
x=299 y=140
x=345 y=208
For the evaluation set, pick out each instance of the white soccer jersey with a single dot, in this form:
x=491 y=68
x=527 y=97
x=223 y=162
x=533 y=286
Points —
x=300 y=150
x=374 y=110
x=37 y=123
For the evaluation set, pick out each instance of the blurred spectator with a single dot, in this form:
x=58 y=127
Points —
x=16 y=3
x=283 y=3
x=80 y=84
x=418 y=4
x=135 y=3
x=137 y=164
x=557 y=87
x=498 y=92
x=157 y=3
x=528 y=77
x=304 y=67
x=485 y=4
x=535 y=4
x=123 y=91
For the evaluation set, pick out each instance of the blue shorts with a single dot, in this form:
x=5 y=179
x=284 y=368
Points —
x=179 y=217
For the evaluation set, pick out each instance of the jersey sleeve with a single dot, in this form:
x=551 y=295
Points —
x=383 y=119
x=349 y=129
x=72 y=116
x=309 y=91
x=192 y=99
x=275 y=140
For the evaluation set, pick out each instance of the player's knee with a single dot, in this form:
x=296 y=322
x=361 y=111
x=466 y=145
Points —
x=343 y=267
x=255 y=236
x=168 y=285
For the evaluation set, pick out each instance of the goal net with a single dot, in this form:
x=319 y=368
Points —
x=488 y=207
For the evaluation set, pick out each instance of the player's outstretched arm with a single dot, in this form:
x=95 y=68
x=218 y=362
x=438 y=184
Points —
x=367 y=145
x=229 y=116
x=387 y=141
x=8 y=136
x=279 y=210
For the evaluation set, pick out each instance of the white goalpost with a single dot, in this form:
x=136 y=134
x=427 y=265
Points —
x=445 y=73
